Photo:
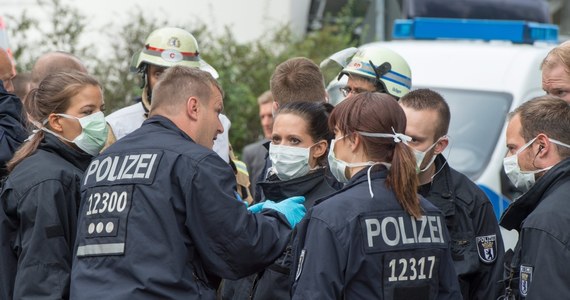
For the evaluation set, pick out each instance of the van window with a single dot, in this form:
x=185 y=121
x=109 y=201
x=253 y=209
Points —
x=477 y=120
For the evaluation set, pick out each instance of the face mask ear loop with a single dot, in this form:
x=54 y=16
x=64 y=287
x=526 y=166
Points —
x=448 y=155
x=370 y=182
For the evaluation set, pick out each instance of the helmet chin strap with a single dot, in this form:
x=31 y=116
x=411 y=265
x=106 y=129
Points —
x=142 y=71
x=147 y=91
x=145 y=99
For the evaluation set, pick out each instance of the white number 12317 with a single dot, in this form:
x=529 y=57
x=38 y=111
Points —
x=411 y=268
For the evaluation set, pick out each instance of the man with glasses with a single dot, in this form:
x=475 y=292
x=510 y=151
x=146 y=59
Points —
x=377 y=69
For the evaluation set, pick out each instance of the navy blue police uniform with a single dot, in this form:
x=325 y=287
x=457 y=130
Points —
x=476 y=242
x=12 y=129
x=354 y=246
x=273 y=282
x=539 y=268
x=159 y=220
x=38 y=221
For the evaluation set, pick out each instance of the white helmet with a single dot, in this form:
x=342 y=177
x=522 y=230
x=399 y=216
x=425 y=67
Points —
x=386 y=68
x=170 y=46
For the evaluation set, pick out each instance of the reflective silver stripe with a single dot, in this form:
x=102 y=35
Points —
x=158 y=54
x=118 y=248
x=398 y=78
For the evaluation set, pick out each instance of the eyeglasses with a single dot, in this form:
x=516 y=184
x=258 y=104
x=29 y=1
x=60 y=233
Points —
x=348 y=90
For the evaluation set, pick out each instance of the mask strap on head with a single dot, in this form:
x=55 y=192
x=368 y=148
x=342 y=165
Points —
x=521 y=149
x=38 y=126
x=559 y=143
x=547 y=168
x=398 y=137
x=43 y=128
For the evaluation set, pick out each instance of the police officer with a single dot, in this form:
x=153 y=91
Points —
x=538 y=163
x=377 y=69
x=476 y=242
x=376 y=238
x=40 y=197
x=12 y=128
x=555 y=72
x=159 y=218
x=163 y=48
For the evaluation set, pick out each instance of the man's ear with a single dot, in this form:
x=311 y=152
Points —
x=441 y=145
x=192 y=108
x=544 y=145
x=54 y=123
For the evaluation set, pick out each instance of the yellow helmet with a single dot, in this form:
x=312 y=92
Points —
x=170 y=46
x=386 y=68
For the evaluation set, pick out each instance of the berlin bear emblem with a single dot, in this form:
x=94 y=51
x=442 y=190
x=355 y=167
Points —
x=487 y=248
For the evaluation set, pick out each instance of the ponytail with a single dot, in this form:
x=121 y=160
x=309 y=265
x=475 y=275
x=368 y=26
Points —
x=28 y=148
x=403 y=179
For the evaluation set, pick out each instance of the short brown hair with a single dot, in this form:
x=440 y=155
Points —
x=548 y=115
x=177 y=84
x=297 y=79
x=426 y=99
x=265 y=98
x=560 y=53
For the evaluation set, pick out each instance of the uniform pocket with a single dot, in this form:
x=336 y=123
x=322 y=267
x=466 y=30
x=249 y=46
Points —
x=461 y=246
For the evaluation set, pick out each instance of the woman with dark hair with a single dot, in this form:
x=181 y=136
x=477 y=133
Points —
x=298 y=153
x=40 y=198
x=376 y=238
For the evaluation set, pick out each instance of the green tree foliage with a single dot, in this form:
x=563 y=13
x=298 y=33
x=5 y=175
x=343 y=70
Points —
x=244 y=68
x=65 y=28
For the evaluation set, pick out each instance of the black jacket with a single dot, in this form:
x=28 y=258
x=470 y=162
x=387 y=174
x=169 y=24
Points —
x=38 y=222
x=354 y=246
x=472 y=225
x=171 y=226
x=12 y=128
x=273 y=282
x=541 y=262
x=313 y=186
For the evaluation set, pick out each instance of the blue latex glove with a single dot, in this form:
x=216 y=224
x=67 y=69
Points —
x=256 y=207
x=292 y=208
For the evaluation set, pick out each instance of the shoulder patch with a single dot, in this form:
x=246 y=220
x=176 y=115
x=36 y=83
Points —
x=487 y=248
x=526 y=279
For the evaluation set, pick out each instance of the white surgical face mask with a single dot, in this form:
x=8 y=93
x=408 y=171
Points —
x=420 y=158
x=289 y=162
x=524 y=180
x=338 y=167
x=93 y=132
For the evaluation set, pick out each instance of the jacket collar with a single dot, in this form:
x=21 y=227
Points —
x=275 y=189
x=168 y=124
x=53 y=144
x=441 y=191
x=527 y=202
x=377 y=172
